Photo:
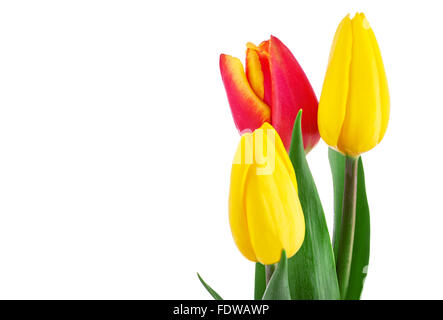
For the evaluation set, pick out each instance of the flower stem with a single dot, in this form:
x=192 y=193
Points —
x=346 y=240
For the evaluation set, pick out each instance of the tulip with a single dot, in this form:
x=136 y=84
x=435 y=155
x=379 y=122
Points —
x=352 y=118
x=354 y=104
x=273 y=89
x=264 y=209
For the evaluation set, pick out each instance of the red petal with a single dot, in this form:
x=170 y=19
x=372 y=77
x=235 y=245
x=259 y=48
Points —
x=248 y=110
x=261 y=54
x=291 y=91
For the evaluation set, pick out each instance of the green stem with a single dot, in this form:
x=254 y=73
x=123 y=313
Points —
x=269 y=272
x=346 y=240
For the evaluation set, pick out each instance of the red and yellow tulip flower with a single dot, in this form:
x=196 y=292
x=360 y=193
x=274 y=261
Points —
x=273 y=88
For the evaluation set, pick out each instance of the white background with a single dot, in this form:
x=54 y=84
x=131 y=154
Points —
x=116 y=142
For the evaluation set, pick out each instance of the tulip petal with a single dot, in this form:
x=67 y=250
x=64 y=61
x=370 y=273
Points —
x=237 y=213
x=280 y=152
x=332 y=105
x=257 y=70
x=362 y=124
x=248 y=110
x=291 y=91
x=274 y=213
x=384 y=91
x=254 y=73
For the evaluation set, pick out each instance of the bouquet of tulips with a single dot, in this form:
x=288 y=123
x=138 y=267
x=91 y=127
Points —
x=275 y=213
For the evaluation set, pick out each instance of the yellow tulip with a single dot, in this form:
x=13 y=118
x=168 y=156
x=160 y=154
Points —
x=353 y=112
x=264 y=209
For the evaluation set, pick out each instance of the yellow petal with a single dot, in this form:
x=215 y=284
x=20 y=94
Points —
x=274 y=214
x=254 y=71
x=265 y=212
x=384 y=91
x=237 y=213
x=283 y=155
x=332 y=105
x=362 y=125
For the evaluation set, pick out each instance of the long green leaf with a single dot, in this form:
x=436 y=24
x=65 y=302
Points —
x=312 y=273
x=278 y=286
x=260 y=281
x=211 y=291
x=360 y=252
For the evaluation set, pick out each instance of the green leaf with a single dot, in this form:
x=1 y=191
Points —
x=260 y=281
x=278 y=286
x=214 y=294
x=360 y=254
x=312 y=273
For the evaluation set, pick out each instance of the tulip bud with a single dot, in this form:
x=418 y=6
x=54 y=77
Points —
x=273 y=89
x=354 y=104
x=264 y=209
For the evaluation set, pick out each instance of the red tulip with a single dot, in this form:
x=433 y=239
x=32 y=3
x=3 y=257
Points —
x=273 y=89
